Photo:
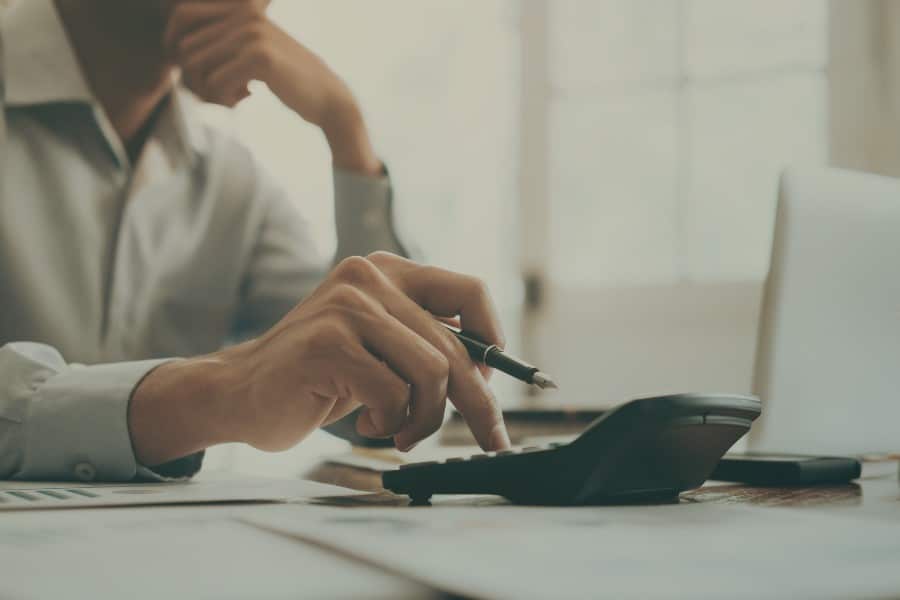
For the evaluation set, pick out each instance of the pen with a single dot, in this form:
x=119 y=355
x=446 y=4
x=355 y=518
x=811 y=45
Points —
x=493 y=356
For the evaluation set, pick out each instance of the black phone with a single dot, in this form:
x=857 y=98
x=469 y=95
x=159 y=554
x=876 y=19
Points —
x=786 y=469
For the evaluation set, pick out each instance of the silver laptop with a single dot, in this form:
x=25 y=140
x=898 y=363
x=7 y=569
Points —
x=828 y=357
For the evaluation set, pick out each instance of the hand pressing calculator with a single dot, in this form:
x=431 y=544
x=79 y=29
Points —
x=646 y=449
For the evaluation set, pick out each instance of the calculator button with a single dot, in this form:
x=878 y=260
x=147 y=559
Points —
x=556 y=445
x=478 y=456
x=505 y=452
x=419 y=464
x=456 y=459
x=532 y=449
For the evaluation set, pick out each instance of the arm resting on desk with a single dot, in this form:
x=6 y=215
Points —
x=60 y=421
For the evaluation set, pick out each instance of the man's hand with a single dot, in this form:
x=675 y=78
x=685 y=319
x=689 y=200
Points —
x=368 y=336
x=223 y=45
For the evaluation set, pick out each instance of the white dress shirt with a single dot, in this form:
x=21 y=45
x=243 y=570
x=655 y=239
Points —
x=108 y=268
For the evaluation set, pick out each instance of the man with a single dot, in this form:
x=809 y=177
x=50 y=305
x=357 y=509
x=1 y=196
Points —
x=130 y=234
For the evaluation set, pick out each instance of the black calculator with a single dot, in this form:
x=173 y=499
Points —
x=646 y=449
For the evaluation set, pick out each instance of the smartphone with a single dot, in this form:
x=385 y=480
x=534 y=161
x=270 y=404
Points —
x=786 y=469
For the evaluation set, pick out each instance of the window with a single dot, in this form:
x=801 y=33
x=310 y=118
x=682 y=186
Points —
x=667 y=126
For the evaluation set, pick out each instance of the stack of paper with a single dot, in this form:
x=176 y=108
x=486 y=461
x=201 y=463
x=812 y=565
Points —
x=21 y=496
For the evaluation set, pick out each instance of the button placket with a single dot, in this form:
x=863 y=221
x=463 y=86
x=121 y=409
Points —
x=117 y=300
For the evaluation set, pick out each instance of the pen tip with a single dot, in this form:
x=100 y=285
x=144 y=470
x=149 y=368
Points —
x=543 y=381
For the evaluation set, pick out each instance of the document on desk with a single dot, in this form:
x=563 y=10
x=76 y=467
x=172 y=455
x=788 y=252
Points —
x=195 y=552
x=25 y=496
x=685 y=550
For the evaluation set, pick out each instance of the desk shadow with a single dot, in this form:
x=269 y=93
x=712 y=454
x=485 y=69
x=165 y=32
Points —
x=798 y=496
x=362 y=500
x=387 y=499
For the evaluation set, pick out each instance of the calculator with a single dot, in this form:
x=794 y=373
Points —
x=646 y=449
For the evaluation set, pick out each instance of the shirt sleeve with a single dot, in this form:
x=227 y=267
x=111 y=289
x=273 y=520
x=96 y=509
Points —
x=286 y=265
x=62 y=421
x=363 y=211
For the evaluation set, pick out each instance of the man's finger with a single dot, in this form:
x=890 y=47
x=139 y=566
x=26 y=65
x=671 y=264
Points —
x=231 y=79
x=486 y=371
x=186 y=17
x=467 y=389
x=407 y=353
x=208 y=35
x=446 y=294
x=418 y=363
x=383 y=393
x=376 y=384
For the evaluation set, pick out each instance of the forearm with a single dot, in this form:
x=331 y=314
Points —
x=220 y=54
x=179 y=409
x=349 y=141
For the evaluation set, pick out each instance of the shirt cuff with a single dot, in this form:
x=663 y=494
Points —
x=363 y=210
x=78 y=425
x=180 y=469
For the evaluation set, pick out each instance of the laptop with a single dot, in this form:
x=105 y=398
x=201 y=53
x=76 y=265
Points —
x=828 y=357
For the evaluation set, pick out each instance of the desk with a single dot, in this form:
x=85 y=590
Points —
x=722 y=540
x=875 y=495
x=226 y=558
x=170 y=551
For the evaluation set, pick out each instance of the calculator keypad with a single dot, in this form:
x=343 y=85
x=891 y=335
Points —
x=485 y=455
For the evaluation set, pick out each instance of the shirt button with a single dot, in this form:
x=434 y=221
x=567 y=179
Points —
x=85 y=471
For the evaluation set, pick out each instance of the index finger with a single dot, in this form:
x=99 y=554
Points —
x=446 y=294
x=188 y=16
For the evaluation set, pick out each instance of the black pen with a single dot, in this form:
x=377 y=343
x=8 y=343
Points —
x=493 y=356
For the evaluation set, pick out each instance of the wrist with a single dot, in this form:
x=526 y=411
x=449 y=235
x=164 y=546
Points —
x=348 y=138
x=180 y=408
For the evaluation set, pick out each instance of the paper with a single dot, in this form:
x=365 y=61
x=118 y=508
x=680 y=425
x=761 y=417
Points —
x=173 y=552
x=685 y=550
x=22 y=496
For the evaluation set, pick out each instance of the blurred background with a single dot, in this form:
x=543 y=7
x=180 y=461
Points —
x=609 y=167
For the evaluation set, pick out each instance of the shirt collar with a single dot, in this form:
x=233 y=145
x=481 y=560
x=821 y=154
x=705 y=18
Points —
x=39 y=64
x=183 y=120
x=40 y=67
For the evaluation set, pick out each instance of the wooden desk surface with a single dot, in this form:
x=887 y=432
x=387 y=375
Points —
x=873 y=497
x=876 y=494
